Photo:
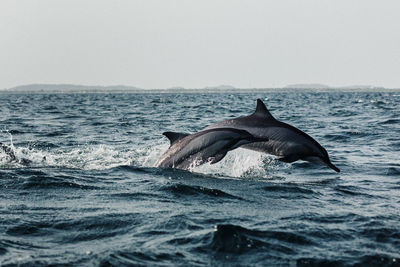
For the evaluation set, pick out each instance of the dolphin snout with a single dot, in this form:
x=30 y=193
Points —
x=333 y=167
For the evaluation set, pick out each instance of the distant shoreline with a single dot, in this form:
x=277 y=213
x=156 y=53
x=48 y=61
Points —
x=196 y=91
x=70 y=88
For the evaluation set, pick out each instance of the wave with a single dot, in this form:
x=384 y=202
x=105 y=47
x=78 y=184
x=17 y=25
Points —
x=76 y=230
x=237 y=239
x=367 y=260
x=352 y=191
x=188 y=190
x=393 y=171
x=288 y=189
x=139 y=258
x=48 y=182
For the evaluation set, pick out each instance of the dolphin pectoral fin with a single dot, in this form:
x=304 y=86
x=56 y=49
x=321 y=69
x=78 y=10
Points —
x=218 y=158
x=290 y=158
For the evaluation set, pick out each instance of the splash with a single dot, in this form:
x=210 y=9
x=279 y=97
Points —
x=239 y=163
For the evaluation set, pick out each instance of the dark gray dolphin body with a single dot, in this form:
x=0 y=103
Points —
x=285 y=141
x=191 y=150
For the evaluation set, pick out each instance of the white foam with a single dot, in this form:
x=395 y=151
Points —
x=240 y=163
x=147 y=156
x=237 y=163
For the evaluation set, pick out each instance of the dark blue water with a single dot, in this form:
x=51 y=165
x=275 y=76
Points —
x=91 y=196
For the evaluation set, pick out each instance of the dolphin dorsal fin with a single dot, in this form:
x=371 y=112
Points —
x=174 y=137
x=261 y=110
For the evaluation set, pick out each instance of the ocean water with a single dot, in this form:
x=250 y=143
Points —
x=91 y=196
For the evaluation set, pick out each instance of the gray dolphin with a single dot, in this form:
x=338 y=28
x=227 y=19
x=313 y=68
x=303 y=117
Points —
x=285 y=141
x=191 y=150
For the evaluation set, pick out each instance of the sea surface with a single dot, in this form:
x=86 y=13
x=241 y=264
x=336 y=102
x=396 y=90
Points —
x=91 y=196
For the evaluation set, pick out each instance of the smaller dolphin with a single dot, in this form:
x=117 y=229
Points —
x=285 y=141
x=191 y=150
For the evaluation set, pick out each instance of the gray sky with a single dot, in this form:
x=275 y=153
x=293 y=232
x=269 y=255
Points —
x=165 y=43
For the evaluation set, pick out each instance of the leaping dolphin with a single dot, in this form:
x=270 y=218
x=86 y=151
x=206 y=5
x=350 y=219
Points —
x=285 y=141
x=191 y=150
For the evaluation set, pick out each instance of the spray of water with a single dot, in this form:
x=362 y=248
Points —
x=237 y=163
x=241 y=163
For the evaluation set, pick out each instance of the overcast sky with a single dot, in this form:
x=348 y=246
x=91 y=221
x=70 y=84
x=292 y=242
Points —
x=165 y=43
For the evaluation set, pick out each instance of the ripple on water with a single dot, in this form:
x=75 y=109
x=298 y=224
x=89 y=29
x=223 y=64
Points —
x=383 y=234
x=236 y=239
x=349 y=190
x=139 y=258
x=367 y=260
x=390 y=122
x=79 y=229
x=335 y=218
x=290 y=191
x=393 y=171
x=46 y=182
x=191 y=190
x=7 y=244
